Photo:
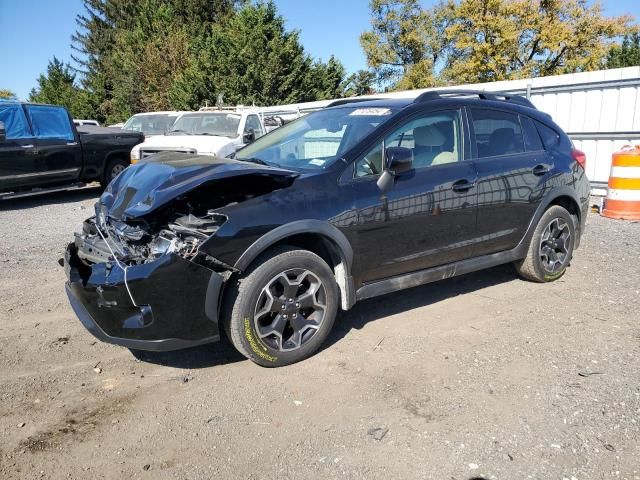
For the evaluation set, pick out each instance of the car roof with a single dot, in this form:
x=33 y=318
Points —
x=168 y=112
x=466 y=97
x=18 y=102
x=215 y=112
x=373 y=103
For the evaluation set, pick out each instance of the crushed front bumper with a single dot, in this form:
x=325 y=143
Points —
x=168 y=304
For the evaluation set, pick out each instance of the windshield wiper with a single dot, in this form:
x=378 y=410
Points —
x=179 y=131
x=255 y=160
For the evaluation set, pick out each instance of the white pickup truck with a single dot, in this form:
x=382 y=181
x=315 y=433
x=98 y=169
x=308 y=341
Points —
x=211 y=132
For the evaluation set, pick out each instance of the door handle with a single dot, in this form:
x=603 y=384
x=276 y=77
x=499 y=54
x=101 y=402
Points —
x=540 y=170
x=463 y=185
x=71 y=144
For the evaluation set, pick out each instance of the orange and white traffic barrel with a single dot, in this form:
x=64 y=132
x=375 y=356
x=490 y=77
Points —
x=623 y=194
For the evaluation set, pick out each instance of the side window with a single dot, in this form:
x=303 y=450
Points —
x=254 y=124
x=434 y=139
x=496 y=132
x=50 y=122
x=532 y=140
x=549 y=136
x=15 y=122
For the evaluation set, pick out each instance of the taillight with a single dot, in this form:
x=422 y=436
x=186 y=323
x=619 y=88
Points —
x=580 y=157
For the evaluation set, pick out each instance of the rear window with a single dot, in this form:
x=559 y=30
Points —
x=50 y=122
x=496 y=133
x=549 y=136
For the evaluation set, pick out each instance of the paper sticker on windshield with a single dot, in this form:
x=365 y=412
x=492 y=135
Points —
x=317 y=161
x=371 y=111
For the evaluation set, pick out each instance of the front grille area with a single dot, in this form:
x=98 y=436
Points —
x=147 y=152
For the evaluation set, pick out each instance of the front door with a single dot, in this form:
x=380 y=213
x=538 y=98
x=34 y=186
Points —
x=428 y=217
x=18 y=151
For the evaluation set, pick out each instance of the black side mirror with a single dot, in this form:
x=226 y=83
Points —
x=398 y=160
x=249 y=135
x=3 y=132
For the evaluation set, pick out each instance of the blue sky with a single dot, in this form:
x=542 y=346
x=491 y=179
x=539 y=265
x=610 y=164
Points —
x=33 y=31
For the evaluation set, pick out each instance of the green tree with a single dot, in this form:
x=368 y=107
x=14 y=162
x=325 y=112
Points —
x=7 y=94
x=626 y=54
x=58 y=87
x=107 y=25
x=359 y=83
x=252 y=59
x=180 y=54
x=327 y=80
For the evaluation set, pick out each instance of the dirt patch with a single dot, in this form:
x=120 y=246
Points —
x=482 y=376
x=78 y=423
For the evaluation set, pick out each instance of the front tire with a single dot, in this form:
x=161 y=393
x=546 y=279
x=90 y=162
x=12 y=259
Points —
x=282 y=309
x=551 y=247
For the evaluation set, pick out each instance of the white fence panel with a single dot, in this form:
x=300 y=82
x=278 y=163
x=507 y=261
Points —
x=599 y=110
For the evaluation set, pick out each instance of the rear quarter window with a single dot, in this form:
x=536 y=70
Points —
x=550 y=138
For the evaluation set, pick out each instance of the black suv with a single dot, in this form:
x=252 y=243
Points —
x=353 y=201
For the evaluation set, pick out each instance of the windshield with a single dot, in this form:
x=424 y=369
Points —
x=156 y=124
x=219 y=124
x=315 y=141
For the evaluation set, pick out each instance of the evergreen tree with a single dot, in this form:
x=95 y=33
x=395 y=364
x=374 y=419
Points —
x=252 y=59
x=359 y=83
x=58 y=87
x=180 y=54
x=627 y=54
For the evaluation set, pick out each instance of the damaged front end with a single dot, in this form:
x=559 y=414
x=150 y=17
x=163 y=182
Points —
x=136 y=273
x=143 y=288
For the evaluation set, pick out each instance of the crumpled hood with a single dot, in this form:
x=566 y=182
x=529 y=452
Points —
x=202 y=143
x=147 y=185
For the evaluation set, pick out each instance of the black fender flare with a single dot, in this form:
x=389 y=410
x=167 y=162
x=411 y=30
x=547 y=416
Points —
x=548 y=199
x=318 y=227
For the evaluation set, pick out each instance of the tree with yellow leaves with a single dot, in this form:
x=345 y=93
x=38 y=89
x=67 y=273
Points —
x=467 y=41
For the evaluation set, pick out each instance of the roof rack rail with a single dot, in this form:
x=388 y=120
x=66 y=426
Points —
x=482 y=94
x=344 y=101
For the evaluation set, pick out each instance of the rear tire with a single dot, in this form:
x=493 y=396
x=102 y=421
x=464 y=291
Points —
x=551 y=247
x=114 y=167
x=282 y=310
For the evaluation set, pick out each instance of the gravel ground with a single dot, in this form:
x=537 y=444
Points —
x=481 y=376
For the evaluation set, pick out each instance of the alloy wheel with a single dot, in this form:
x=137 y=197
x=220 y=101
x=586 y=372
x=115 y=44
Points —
x=117 y=169
x=555 y=244
x=290 y=309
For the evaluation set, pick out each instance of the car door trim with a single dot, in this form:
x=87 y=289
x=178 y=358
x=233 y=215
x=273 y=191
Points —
x=40 y=174
x=442 y=272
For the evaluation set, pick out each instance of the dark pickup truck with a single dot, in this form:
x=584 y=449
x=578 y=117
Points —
x=41 y=150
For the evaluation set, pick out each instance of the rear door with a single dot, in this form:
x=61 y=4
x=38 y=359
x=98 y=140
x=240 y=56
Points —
x=18 y=152
x=59 y=158
x=428 y=218
x=512 y=171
